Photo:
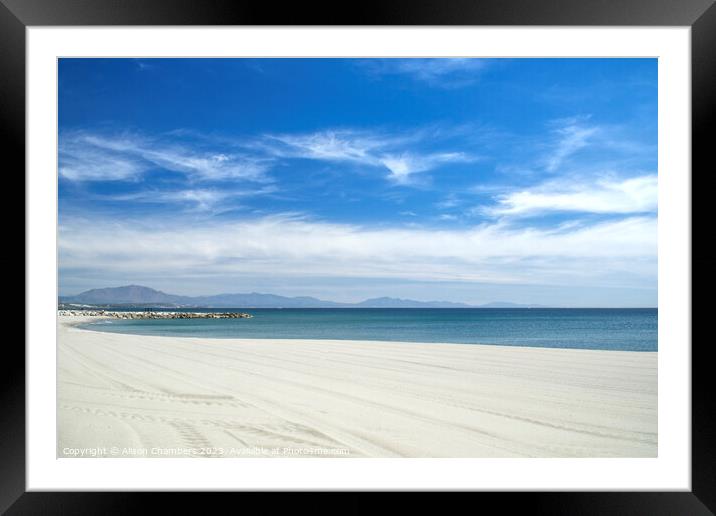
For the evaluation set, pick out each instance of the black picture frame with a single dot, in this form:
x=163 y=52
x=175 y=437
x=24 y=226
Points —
x=700 y=15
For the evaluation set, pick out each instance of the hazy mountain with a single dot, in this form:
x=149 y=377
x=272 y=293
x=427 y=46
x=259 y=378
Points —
x=503 y=304
x=256 y=300
x=138 y=295
x=131 y=294
x=391 y=302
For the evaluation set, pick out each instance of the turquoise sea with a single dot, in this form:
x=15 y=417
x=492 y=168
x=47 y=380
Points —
x=614 y=329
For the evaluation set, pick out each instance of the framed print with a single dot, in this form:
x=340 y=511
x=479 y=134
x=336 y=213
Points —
x=440 y=249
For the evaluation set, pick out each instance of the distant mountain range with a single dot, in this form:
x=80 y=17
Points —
x=137 y=295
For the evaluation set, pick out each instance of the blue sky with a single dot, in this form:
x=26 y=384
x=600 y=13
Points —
x=473 y=180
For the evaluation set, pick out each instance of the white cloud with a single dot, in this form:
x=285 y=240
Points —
x=369 y=149
x=341 y=145
x=448 y=202
x=633 y=195
x=143 y=66
x=438 y=72
x=199 y=199
x=402 y=167
x=286 y=246
x=90 y=157
x=87 y=163
x=204 y=200
x=572 y=135
x=100 y=168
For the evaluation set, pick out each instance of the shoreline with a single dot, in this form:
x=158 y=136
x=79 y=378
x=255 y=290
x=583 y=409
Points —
x=91 y=319
x=338 y=398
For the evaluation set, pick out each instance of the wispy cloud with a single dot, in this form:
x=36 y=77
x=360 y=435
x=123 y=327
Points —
x=579 y=142
x=337 y=145
x=200 y=199
x=403 y=157
x=448 y=202
x=92 y=157
x=438 y=72
x=403 y=167
x=78 y=162
x=210 y=200
x=572 y=134
x=369 y=149
x=616 y=196
x=144 y=65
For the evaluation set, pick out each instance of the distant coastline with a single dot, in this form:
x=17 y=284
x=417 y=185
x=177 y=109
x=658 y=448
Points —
x=140 y=296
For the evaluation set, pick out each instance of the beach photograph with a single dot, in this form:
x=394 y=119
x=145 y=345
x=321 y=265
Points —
x=357 y=258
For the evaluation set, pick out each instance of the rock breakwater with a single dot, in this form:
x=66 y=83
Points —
x=153 y=315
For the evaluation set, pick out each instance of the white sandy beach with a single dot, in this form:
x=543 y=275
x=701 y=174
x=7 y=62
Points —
x=127 y=395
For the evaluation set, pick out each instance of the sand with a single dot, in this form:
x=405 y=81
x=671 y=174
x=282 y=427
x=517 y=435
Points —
x=142 y=396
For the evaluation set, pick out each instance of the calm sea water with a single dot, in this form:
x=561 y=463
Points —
x=615 y=329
